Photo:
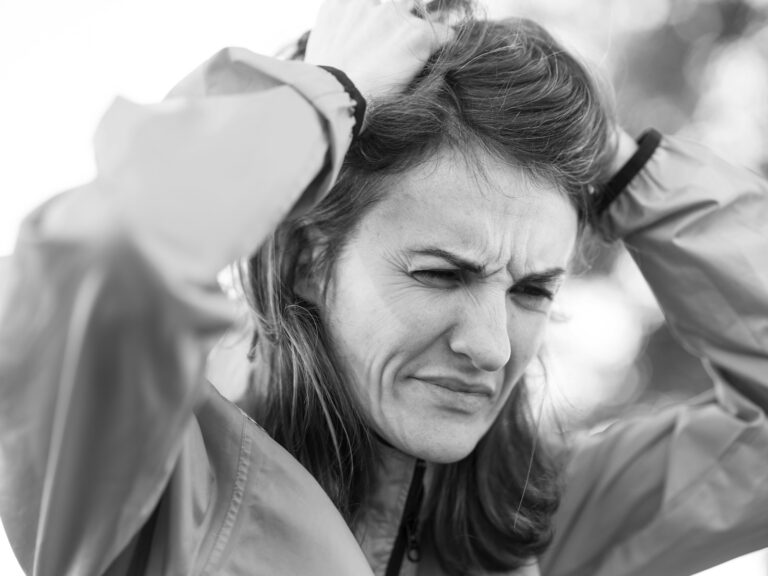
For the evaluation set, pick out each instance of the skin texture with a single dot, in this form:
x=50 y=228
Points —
x=433 y=350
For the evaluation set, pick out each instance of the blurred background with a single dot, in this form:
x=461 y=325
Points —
x=696 y=68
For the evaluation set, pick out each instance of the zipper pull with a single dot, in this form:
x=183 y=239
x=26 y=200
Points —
x=413 y=552
x=412 y=527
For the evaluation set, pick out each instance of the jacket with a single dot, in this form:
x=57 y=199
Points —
x=119 y=457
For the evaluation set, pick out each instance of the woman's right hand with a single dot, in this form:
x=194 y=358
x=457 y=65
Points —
x=379 y=46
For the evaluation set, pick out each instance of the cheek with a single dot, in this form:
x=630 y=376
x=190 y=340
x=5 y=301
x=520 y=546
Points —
x=526 y=332
x=376 y=321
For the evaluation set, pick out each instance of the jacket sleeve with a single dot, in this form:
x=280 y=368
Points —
x=685 y=489
x=110 y=301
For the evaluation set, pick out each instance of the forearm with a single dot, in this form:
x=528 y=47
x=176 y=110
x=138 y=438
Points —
x=697 y=228
x=200 y=179
x=112 y=301
x=633 y=499
x=101 y=369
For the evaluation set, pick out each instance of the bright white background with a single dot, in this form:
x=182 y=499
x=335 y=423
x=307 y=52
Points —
x=61 y=63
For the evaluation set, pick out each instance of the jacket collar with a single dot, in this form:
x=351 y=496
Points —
x=378 y=523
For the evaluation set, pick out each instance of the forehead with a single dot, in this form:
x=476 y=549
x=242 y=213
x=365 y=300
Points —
x=496 y=213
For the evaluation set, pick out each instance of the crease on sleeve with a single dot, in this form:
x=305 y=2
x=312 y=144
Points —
x=692 y=223
x=708 y=519
x=206 y=166
x=237 y=70
x=69 y=505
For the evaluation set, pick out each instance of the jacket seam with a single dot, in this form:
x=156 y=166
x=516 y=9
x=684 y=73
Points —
x=392 y=539
x=235 y=503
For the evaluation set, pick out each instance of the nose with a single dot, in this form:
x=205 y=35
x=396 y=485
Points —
x=481 y=333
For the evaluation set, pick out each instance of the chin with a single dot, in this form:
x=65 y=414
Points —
x=437 y=452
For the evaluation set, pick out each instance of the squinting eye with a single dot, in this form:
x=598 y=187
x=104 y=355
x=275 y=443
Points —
x=532 y=297
x=440 y=278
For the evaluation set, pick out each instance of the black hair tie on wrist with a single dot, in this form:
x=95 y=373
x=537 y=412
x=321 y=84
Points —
x=646 y=146
x=354 y=93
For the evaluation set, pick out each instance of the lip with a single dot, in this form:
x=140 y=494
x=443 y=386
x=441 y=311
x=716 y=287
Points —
x=458 y=385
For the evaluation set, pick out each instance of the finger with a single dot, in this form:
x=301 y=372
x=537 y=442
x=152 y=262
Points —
x=444 y=33
x=441 y=35
x=405 y=6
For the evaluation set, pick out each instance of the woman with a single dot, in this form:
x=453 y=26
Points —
x=396 y=317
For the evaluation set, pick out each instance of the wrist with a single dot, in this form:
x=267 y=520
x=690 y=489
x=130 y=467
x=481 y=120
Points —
x=625 y=149
x=359 y=102
x=630 y=158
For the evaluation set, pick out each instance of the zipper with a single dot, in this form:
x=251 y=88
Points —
x=407 y=541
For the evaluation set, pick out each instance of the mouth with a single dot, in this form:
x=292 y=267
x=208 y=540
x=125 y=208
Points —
x=457 y=394
x=459 y=386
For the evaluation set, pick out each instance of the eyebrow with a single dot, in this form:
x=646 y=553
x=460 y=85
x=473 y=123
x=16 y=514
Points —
x=544 y=276
x=451 y=258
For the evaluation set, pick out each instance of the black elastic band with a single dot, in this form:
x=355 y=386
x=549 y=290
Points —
x=354 y=93
x=646 y=146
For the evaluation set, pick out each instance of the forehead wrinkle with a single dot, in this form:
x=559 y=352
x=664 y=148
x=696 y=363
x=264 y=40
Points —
x=489 y=229
x=481 y=244
x=493 y=240
x=480 y=162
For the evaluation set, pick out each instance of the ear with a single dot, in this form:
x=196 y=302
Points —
x=307 y=286
x=308 y=281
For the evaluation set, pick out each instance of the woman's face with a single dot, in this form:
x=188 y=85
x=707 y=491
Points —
x=440 y=299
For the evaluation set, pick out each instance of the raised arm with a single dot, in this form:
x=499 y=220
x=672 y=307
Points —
x=676 y=492
x=111 y=301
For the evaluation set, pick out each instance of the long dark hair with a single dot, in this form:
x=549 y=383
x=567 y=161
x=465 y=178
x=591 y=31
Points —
x=506 y=88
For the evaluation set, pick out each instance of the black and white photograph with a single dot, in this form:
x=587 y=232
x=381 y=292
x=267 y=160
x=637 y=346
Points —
x=384 y=288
